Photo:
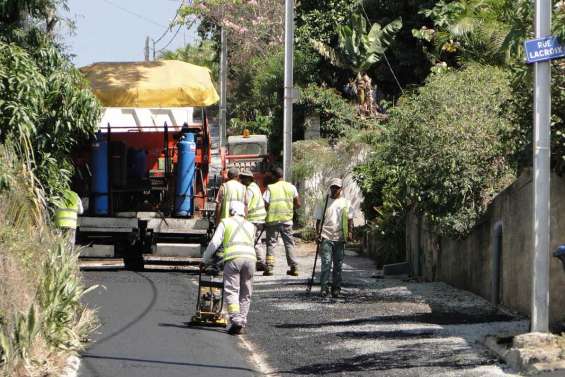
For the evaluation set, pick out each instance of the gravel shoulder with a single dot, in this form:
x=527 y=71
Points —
x=381 y=327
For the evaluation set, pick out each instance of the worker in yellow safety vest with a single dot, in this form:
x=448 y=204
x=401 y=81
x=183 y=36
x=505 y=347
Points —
x=236 y=235
x=69 y=206
x=281 y=198
x=256 y=212
x=231 y=191
x=334 y=232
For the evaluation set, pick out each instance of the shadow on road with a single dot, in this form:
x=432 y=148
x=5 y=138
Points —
x=405 y=358
x=188 y=326
x=102 y=357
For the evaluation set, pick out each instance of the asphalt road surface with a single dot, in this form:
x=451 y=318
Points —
x=144 y=330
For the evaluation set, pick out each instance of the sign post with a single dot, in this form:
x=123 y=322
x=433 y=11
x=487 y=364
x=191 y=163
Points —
x=544 y=49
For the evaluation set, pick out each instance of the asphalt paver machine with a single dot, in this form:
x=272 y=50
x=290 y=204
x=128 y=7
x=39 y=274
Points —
x=144 y=179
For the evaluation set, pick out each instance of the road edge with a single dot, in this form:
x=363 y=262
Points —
x=256 y=358
x=72 y=366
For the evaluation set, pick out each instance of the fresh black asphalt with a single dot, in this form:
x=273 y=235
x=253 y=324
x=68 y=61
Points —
x=144 y=330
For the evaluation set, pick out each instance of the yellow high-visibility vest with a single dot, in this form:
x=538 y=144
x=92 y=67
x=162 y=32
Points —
x=256 y=207
x=233 y=192
x=66 y=214
x=239 y=237
x=281 y=202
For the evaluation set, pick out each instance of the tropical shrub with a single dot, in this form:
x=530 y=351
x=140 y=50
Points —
x=42 y=320
x=45 y=107
x=444 y=153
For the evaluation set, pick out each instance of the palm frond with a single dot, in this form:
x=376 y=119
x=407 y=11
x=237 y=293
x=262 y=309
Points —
x=329 y=53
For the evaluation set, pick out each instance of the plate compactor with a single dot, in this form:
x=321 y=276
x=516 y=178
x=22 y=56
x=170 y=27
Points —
x=210 y=300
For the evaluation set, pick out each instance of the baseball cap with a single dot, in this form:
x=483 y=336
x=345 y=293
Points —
x=336 y=182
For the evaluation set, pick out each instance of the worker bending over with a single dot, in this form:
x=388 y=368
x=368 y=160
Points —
x=230 y=191
x=236 y=235
x=334 y=232
x=281 y=198
x=256 y=213
x=69 y=207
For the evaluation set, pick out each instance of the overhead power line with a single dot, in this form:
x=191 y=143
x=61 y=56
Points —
x=168 y=29
x=384 y=54
x=140 y=16
x=175 y=35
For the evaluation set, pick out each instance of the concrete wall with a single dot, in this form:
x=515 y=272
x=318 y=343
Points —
x=470 y=263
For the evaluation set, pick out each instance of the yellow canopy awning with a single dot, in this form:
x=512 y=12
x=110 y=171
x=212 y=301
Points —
x=164 y=83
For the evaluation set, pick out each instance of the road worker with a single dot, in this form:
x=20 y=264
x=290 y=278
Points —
x=281 y=198
x=230 y=191
x=334 y=232
x=256 y=213
x=69 y=206
x=236 y=235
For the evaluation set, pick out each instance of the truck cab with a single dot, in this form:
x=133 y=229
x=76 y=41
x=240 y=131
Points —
x=248 y=152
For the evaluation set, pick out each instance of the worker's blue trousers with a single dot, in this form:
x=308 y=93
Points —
x=331 y=251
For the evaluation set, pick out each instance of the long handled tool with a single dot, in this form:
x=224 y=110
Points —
x=318 y=243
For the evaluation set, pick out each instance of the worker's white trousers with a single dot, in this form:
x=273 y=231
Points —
x=238 y=287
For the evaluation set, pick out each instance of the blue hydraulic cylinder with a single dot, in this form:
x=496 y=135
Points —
x=100 y=180
x=185 y=175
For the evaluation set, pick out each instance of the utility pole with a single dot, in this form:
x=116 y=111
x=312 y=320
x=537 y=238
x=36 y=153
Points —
x=288 y=87
x=542 y=136
x=223 y=86
x=153 y=49
x=147 y=49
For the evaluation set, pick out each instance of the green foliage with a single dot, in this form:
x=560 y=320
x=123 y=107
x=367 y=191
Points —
x=485 y=31
x=205 y=55
x=46 y=107
x=257 y=99
x=337 y=115
x=317 y=20
x=443 y=153
x=41 y=287
x=521 y=108
x=358 y=50
x=59 y=294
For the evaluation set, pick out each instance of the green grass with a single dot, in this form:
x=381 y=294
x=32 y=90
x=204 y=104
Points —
x=42 y=320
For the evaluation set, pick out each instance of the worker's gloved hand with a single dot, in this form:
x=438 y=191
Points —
x=209 y=269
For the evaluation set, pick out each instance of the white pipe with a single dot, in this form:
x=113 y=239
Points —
x=542 y=140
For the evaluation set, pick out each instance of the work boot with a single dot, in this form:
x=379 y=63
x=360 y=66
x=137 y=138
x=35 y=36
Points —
x=268 y=271
x=235 y=329
x=324 y=292
x=260 y=266
x=336 y=292
x=293 y=271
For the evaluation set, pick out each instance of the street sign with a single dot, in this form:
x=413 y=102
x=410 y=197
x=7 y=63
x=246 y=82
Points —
x=543 y=49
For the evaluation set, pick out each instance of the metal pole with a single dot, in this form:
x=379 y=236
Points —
x=147 y=49
x=542 y=136
x=223 y=87
x=288 y=87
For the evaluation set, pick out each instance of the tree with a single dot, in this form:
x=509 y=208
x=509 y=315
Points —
x=46 y=107
x=358 y=50
x=484 y=31
x=254 y=27
x=16 y=13
x=204 y=54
